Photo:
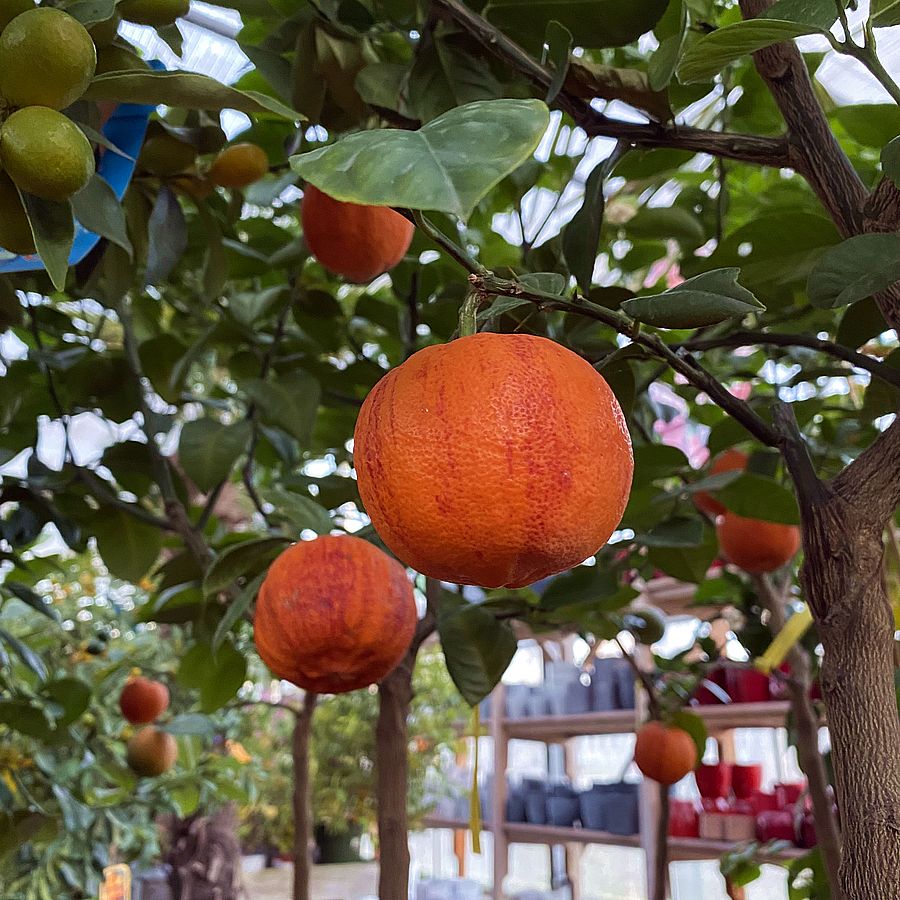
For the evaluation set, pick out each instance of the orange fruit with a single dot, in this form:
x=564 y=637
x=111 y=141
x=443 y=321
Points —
x=143 y=700
x=151 y=752
x=334 y=614
x=754 y=545
x=354 y=241
x=664 y=753
x=238 y=166
x=727 y=461
x=495 y=460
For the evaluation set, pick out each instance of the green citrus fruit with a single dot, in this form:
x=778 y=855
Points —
x=164 y=155
x=153 y=12
x=646 y=624
x=118 y=59
x=47 y=58
x=104 y=33
x=15 y=232
x=45 y=153
x=9 y=9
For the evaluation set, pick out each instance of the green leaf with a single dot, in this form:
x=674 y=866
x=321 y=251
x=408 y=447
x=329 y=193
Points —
x=189 y=723
x=477 y=649
x=884 y=13
x=301 y=511
x=861 y=321
x=708 y=56
x=757 y=497
x=99 y=210
x=30 y=598
x=557 y=47
x=546 y=282
x=184 y=90
x=208 y=450
x=670 y=32
x=236 y=609
x=128 y=546
x=695 y=727
x=185 y=798
x=664 y=222
x=581 y=237
x=870 y=124
x=855 y=269
x=75 y=814
x=890 y=161
x=689 y=564
x=679 y=531
x=217 y=675
x=28 y=657
x=90 y=12
x=20 y=828
x=72 y=694
x=167 y=236
x=448 y=165
x=579 y=585
x=499 y=307
x=597 y=23
x=290 y=401
x=705 y=299
x=10 y=309
x=53 y=227
x=820 y=13
x=242 y=561
x=21 y=716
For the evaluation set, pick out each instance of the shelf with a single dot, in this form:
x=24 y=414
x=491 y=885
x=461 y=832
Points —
x=722 y=717
x=521 y=833
x=680 y=849
x=701 y=848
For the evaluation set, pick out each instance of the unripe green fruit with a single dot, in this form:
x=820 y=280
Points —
x=47 y=58
x=45 y=153
x=164 y=155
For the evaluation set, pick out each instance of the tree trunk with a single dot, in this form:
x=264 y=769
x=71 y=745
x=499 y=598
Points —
x=392 y=745
x=205 y=856
x=843 y=580
x=302 y=817
x=807 y=725
x=661 y=873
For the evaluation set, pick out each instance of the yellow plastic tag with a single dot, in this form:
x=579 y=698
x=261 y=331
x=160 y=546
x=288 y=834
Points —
x=474 y=799
x=794 y=629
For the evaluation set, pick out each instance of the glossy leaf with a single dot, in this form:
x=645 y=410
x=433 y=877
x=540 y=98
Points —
x=208 y=450
x=890 y=161
x=477 y=649
x=26 y=655
x=757 y=497
x=186 y=90
x=217 y=675
x=708 y=56
x=448 y=165
x=190 y=723
x=128 y=546
x=885 y=13
x=236 y=609
x=98 y=209
x=53 y=227
x=581 y=237
x=290 y=401
x=242 y=561
x=597 y=23
x=557 y=47
x=301 y=511
x=820 y=13
x=167 y=236
x=855 y=269
x=670 y=32
x=72 y=694
x=695 y=727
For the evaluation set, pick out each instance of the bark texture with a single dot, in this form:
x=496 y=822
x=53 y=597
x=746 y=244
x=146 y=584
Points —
x=392 y=746
x=302 y=812
x=205 y=856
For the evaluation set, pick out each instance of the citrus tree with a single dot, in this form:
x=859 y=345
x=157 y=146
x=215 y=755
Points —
x=697 y=219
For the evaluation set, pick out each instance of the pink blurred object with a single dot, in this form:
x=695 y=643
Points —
x=776 y=825
x=808 y=831
x=788 y=793
x=684 y=818
x=739 y=826
x=747 y=685
x=763 y=801
x=713 y=781
x=746 y=780
x=712 y=825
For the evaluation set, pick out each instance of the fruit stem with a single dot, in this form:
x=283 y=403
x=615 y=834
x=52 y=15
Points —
x=468 y=314
x=451 y=248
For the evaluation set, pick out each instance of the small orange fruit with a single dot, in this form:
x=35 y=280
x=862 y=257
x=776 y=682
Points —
x=727 y=461
x=334 y=614
x=238 y=166
x=664 y=753
x=496 y=460
x=143 y=700
x=754 y=545
x=151 y=752
x=354 y=241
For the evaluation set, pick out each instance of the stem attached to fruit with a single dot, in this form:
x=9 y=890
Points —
x=468 y=314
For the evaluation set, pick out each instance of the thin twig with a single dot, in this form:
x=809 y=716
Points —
x=645 y=680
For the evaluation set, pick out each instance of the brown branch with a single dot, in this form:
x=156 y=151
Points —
x=811 y=490
x=870 y=483
x=301 y=798
x=829 y=348
x=763 y=151
x=105 y=495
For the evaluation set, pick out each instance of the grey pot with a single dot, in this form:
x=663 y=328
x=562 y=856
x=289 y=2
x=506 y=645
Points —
x=536 y=807
x=624 y=685
x=517 y=701
x=537 y=704
x=515 y=806
x=562 y=811
x=603 y=685
x=621 y=812
x=592 y=810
